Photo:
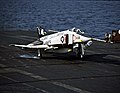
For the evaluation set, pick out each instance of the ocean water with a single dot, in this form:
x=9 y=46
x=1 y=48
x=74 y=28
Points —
x=92 y=17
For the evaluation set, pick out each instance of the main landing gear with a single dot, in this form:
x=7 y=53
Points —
x=80 y=51
x=40 y=53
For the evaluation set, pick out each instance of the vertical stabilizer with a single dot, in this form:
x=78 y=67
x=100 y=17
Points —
x=40 y=32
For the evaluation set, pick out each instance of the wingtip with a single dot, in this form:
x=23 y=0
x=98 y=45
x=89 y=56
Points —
x=11 y=44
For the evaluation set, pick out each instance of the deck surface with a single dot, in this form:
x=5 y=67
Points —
x=99 y=72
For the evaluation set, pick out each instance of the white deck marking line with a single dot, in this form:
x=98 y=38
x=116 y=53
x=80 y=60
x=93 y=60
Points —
x=107 y=56
x=52 y=82
x=69 y=87
x=44 y=91
x=78 y=90
x=93 y=52
x=113 y=56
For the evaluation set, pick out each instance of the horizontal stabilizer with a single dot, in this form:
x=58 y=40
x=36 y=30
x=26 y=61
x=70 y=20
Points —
x=53 y=31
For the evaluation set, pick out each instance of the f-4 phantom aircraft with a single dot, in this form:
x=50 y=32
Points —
x=71 y=40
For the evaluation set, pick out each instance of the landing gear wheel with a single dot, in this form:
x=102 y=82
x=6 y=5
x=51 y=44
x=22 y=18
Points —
x=39 y=53
x=80 y=51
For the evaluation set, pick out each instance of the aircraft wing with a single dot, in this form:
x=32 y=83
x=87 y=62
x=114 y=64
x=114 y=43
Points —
x=89 y=39
x=30 y=46
x=96 y=39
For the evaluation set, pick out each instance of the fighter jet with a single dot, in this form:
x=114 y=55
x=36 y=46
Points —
x=70 y=40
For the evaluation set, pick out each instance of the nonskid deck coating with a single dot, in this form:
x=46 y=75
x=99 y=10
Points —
x=99 y=72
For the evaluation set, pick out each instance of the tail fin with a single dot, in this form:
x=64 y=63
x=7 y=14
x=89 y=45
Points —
x=40 y=32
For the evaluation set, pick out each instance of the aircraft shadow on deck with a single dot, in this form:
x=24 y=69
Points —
x=96 y=58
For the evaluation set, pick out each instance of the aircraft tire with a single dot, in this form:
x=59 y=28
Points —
x=39 y=53
x=80 y=51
